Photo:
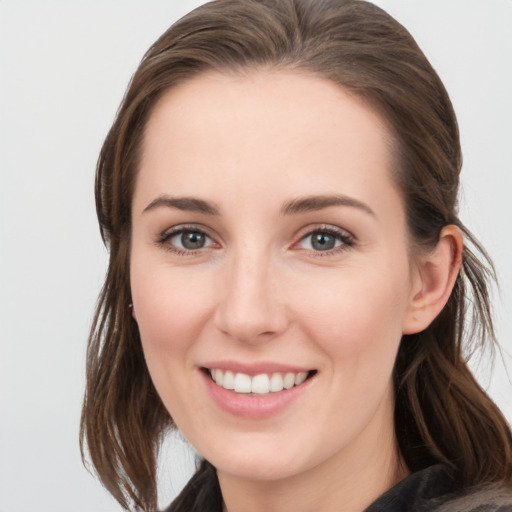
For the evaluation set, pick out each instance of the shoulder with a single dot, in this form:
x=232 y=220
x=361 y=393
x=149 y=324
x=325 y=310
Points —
x=434 y=490
x=491 y=498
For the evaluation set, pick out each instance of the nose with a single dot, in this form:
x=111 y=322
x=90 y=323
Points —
x=251 y=307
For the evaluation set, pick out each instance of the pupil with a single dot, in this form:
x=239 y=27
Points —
x=322 y=242
x=191 y=240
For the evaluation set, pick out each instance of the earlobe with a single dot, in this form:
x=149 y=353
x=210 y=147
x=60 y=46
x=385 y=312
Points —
x=436 y=274
x=134 y=316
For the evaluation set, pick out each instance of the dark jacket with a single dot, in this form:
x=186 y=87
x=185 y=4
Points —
x=434 y=490
x=430 y=490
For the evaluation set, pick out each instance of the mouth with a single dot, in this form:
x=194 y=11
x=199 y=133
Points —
x=257 y=385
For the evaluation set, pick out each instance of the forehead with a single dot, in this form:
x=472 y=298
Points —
x=241 y=98
x=264 y=129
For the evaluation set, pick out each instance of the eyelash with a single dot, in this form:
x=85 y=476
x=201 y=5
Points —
x=166 y=236
x=347 y=240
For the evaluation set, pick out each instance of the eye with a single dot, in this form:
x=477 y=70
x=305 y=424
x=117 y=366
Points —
x=324 y=240
x=185 y=240
x=189 y=240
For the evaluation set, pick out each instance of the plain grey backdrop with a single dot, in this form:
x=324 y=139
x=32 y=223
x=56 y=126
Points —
x=63 y=69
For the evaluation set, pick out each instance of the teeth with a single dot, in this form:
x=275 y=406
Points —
x=262 y=384
x=242 y=383
x=300 y=378
x=276 y=382
x=217 y=376
x=289 y=380
x=229 y=380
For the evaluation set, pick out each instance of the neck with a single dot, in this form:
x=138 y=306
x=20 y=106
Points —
x=350 y=480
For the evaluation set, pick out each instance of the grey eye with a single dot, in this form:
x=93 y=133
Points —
x=190 y=240
x=321 y=241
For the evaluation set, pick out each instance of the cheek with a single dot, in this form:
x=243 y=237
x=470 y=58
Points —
x=357 y=323
x=170 y=306
x=357 y=314
x=171 y=310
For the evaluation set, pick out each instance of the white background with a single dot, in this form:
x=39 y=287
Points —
x=63 y=70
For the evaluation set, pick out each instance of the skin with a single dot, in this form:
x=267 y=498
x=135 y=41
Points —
x=259 y=291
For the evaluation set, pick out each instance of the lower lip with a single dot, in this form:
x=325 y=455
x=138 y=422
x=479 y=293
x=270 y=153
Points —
x=254 y=406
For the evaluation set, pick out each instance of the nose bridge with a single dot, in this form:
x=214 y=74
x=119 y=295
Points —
x=249 y=308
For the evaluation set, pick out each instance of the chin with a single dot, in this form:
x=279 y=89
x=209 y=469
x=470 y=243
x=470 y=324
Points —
x=261 y=460
x=257 y=469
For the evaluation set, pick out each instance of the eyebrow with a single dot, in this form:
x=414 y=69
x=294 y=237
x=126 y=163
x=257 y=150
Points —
x=189 y=204
x=314 y=203
x=293 y=207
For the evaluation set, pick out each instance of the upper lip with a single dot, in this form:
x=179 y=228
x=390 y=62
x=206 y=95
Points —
x=255 y=368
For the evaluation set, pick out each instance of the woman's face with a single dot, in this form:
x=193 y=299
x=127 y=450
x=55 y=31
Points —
x=269 y=246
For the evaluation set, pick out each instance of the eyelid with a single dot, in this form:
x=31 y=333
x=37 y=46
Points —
x=346 y=237
x=165 y=236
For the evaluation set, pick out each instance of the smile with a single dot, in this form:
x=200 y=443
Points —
x=256 y=391
x=262 y=384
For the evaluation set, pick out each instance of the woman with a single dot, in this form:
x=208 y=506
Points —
x=288 y=281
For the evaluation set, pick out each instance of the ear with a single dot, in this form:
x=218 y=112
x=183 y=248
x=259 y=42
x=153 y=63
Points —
x=134 y=316
x=435 y=274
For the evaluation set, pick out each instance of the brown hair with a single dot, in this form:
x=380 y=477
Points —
x=441 y=413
